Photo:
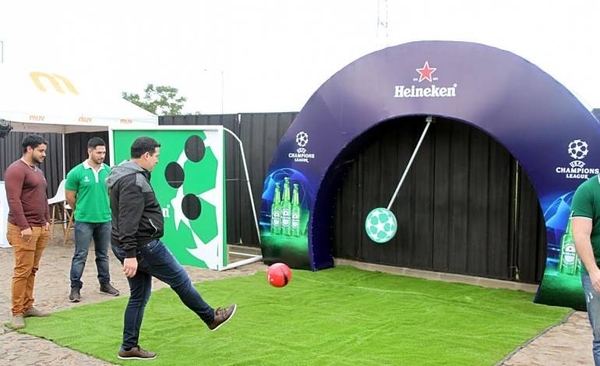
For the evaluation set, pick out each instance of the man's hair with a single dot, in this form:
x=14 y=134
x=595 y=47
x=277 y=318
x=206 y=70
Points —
x=33 y=141
x=95 y=142
x=143 y=145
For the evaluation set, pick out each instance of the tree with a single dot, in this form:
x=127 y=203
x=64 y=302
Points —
x=161 y=100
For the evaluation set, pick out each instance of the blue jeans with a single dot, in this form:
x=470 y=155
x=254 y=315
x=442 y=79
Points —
x=84 y=232
x=155 y=260
x=592 y=300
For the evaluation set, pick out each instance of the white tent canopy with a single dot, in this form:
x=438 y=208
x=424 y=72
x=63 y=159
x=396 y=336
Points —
x=38 y=101
x=41 y=101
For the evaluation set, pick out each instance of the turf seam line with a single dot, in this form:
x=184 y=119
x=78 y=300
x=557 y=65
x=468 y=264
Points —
x=510 y=355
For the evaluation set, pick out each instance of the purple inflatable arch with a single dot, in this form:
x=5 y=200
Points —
x=519 y=105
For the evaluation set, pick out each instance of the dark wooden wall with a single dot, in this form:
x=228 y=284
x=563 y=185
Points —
x=459 y=210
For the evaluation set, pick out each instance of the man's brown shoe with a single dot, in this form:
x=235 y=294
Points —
x=222 y=316
x=35 y=312
x=18 y=322
x=136 y=353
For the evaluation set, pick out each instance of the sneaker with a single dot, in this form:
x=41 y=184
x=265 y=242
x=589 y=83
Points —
x=222 y=316
x=18 y=322
x=74 y=296
x=108 y=289
x=35 y=312
x=136 y=353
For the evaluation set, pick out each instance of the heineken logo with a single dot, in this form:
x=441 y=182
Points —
x=425 y=74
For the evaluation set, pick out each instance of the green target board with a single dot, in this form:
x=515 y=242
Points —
x=189 y=182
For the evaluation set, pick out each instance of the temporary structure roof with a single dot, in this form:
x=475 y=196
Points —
x=41 y=101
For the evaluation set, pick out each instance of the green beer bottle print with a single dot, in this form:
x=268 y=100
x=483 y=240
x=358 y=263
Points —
x=568 y=256
x=276 y=211
x=295 y=211
x=286 y=209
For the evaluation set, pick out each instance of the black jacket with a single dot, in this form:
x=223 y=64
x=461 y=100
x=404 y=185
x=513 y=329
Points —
x=136 y=215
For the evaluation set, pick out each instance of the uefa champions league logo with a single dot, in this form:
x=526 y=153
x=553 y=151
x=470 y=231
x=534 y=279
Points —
x=301 y=139
x=578 y=149
x=301 y=156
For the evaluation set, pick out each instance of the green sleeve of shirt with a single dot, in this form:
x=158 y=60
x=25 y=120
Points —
x=583 y=202
x=72 y=183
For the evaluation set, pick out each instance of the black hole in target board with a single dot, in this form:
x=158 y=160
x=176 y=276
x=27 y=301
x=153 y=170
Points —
x=174 y=174
x=195 y=148
x=191 y=206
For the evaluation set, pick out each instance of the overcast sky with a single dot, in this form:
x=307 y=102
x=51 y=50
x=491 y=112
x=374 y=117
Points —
x=271 y=55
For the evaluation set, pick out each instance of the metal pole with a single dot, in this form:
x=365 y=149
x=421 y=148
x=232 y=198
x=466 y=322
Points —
x=2 y=52
x=64 y=149
x=429 y=120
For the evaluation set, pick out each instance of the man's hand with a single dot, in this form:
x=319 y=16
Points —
x=47 y=227
x=26 y=234
x=130 y=267
x=595 y=278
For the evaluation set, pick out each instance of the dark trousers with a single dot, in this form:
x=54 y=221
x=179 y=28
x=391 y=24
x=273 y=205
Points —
x=155 y=260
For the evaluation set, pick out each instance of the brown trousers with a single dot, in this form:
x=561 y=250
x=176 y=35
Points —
x=27 y=262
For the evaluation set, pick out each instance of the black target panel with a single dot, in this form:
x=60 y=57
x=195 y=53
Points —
x=195 y=148
x=174 y=175
x=191 y=206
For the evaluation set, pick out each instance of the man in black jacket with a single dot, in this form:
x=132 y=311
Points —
x=137 y=226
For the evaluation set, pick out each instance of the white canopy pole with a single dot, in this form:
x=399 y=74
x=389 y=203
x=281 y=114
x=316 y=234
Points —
x=64 y=164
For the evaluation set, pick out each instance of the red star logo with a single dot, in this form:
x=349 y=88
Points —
x=425 y=72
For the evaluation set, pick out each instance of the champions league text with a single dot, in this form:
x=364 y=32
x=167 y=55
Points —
x=577 y=173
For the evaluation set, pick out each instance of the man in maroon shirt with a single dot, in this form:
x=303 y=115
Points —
x=28 y=224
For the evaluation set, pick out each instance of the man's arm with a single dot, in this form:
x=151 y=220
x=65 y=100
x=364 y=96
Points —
x=71 y=187
x=582 y=232
x=71 y=197
x=14 y=179
x=131 y=208
x=47 y=214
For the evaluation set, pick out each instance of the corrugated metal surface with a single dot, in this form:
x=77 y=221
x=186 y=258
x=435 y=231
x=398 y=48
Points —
x=455 y=210
x=530 y=237
x=10 y=150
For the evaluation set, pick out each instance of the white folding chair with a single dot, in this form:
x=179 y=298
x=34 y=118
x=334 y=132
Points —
x=58 y=205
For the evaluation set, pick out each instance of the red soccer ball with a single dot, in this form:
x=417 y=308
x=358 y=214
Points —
x=279 y=274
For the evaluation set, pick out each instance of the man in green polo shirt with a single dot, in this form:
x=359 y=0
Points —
x=87 y=194
x=585 y=224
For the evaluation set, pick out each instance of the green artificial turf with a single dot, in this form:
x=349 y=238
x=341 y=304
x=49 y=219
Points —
x=339 y=316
